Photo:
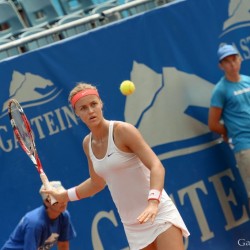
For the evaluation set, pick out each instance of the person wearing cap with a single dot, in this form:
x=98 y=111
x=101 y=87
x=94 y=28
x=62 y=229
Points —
x=229 y=113
x=119 y=157
x=43 y=227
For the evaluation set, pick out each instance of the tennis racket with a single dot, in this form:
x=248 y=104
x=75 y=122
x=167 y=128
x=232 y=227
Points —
x=24 y=136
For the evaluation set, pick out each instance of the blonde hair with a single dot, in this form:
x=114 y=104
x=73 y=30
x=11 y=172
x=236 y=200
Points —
x=79 y=87
x=54 y=184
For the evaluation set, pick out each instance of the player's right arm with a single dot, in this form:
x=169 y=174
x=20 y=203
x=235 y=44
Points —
x=95 y=183
x=214 y=122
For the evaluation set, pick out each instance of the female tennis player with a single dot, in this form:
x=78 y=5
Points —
x=119 y=157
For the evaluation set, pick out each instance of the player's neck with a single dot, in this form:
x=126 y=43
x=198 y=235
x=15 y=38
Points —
x=100 y=133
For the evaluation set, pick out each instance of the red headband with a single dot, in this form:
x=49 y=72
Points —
x=81 y=94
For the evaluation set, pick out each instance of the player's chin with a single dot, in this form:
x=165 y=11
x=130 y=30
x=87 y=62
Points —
x=93 y=122
x=93 y=119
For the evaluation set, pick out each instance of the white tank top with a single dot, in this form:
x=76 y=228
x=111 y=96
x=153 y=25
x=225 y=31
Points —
x=127 y=178
x=129 y=182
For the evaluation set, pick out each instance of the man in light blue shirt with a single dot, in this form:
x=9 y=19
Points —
x=229 y=113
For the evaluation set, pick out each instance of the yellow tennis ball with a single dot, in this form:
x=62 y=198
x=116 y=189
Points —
x=127 y=87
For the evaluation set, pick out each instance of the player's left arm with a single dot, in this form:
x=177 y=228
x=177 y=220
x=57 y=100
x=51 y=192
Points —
x=129 y=139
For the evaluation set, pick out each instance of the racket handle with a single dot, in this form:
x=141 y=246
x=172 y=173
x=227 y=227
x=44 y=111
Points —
x=47 y=186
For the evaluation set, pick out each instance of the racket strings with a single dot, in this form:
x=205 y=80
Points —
x=22 y=126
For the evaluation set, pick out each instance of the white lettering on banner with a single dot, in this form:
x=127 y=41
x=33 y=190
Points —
x=96 y=241
x=225 y=200
x=47 y=124
x=53 y=122
x=192 y=193
x=6 y=146
x=245 y=47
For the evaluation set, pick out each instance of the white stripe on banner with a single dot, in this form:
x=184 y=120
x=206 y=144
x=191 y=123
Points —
x=189 y=150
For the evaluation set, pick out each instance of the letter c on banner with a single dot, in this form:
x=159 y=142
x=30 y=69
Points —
x=96 y=241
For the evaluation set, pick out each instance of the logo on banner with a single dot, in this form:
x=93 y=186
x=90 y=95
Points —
x=30 y=90
x=237 y=24
x=238 y=15
x=169 y=107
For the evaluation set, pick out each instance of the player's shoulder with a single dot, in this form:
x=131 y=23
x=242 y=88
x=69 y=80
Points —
x=124 y=130
x=86 y=139
x=121 y=126
x=85 y=143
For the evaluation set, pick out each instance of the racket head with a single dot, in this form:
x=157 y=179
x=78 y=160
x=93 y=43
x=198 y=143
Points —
x=23 y=131
x=24 y=135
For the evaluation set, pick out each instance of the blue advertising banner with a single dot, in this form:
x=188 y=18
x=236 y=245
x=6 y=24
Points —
x=170 y=55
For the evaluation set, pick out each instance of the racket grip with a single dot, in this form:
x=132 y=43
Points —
x=47 y=186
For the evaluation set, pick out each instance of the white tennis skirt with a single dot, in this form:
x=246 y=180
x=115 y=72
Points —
x=141 y=235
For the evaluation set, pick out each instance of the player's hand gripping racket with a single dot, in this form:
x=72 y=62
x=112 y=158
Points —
x=24 y=135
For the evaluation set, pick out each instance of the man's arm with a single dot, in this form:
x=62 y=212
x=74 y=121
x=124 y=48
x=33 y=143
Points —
x=63 y=245
x=214 y=122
